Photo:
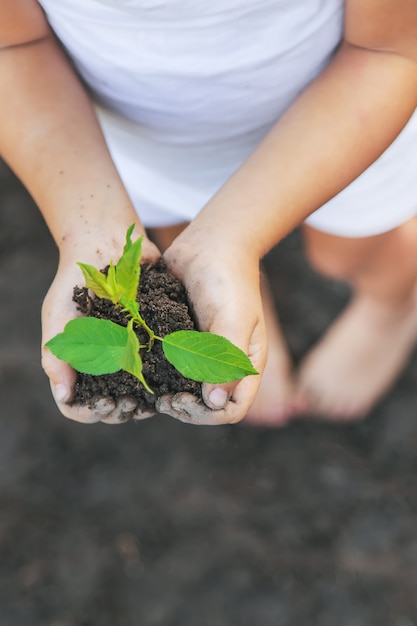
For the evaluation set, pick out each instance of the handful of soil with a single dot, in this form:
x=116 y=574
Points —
x=165 y=308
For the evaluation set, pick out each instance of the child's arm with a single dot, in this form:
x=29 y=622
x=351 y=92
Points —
x=346 y=118
x=50 y=137
x=342 y=122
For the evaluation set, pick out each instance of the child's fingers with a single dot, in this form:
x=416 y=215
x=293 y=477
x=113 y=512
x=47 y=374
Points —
x=103 y=410
x=237 y=396
x=78 y=412
x=139 y=414
x=186 y=408
x=121 y=412
x=217 y=396
x=62 y=377
x=191 y=410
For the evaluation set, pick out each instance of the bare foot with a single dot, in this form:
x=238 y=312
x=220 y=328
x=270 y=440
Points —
x=359 y=358
x=278 y=398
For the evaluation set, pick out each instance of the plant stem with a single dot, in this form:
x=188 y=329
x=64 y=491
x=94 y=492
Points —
x=141 y=322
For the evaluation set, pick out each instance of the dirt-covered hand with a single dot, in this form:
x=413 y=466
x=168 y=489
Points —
x=58 y=309
x=224 y=290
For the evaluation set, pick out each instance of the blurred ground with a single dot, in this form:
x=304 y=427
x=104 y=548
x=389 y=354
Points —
x=164 y=524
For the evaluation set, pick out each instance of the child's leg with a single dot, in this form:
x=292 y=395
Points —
x=163 y=237
x=366 y=348
x=278 y=397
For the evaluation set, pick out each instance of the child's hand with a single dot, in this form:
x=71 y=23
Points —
x=58 y=309
x=223 y=286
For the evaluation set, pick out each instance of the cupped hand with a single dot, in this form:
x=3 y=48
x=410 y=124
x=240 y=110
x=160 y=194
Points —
x=223 y=287
x=58 y=309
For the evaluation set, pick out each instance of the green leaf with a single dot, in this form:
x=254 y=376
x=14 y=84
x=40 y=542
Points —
x=206 y=357
x=131 y=361
x=128 y=238
x=112 y=285
x=91 y=346
x=128 y=267
x=96 y=281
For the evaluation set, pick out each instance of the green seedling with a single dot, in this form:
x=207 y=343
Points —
x=97 y=346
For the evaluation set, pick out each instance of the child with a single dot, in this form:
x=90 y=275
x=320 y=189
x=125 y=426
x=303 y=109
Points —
x=227 y=124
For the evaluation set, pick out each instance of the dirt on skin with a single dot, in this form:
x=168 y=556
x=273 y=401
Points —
x=165 y=308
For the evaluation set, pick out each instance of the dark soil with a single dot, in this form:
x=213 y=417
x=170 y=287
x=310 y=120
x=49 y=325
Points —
x=165 y=308
x=159 y=523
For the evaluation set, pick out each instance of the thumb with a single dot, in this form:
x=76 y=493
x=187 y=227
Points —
x=57 y=309
x=61 y=376
x=249 y=340
x=217 y=396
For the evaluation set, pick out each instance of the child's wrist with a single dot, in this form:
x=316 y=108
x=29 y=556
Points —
x=93 y=243
x=220 y=238
x=191 y=253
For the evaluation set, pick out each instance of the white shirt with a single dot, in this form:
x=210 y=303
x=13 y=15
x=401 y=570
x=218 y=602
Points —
x=187 y=88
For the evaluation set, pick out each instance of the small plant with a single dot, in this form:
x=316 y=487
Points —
x=99 y=346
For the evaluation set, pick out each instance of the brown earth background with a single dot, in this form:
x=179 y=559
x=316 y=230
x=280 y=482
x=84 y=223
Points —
x=164 y=524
